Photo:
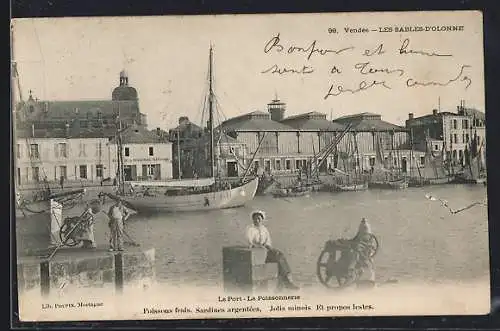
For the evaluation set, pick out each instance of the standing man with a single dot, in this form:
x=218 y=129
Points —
x=61 y=182
x=258 y=236
x=117 y=214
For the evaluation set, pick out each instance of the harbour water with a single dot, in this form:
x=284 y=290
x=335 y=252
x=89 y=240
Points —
x=420 y=240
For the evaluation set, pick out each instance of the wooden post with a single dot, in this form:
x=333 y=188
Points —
x=245 y=269
x=45 y=278
x=119 y=272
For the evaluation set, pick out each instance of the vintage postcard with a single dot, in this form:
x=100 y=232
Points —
x=237 y=166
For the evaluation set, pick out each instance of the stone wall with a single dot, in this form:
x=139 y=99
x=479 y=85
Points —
x=78 y=271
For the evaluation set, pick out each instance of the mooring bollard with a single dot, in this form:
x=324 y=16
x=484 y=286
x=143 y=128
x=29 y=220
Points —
x=245 y=269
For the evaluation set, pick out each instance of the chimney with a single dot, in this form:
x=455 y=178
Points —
x=183 y=119
x=410 y=116
x=434 y=112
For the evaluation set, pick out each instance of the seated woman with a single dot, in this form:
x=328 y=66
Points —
x=258 y=236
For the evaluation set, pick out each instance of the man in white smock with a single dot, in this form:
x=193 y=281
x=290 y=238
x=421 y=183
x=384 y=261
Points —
x=258 y=236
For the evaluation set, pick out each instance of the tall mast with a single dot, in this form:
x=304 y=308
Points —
x=211 y=115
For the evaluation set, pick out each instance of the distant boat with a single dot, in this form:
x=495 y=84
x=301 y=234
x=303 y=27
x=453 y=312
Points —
x=383 y=178
x=433 y=172
x=188 y=195
x=292 y=192
x=474 y=171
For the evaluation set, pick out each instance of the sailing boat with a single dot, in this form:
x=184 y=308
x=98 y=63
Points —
x=474 y=170
x=433 y=172
x=191 y=194
x=383 y=178
x=350 y=182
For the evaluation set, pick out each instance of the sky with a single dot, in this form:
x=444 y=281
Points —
x=167 y=61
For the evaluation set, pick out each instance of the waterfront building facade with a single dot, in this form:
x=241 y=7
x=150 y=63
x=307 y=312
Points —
x=146 y=154
x=369 y=133
x=452 y=132
x=88 y=157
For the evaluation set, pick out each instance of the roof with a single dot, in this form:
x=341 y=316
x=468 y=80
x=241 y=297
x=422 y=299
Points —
x=254 y=121
x=474 y=112
x=368 y=122
x=81 y=108
x=312 y=121
x=105 y=133
x=136 y=134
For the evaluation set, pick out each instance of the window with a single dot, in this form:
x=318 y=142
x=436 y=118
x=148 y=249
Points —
x=63 y=172
x=98 y=170
x=34 y=151
x=267 y=165
x=127 y=151
x=455 y=124
x=422 y=160
x=288 y=165
x=277 y=164
x=372 y=161
x=151 y=151
x=62 y=149
x=83 y=171
x=298 y=164
x=436 y=147
x=82 y=150
x=466 y=137
x=18 y=151
x=451 y=138
x=463 y=137
x=99 y=149
x=455 y=138
x=151 y=170
x=466 y=124
x=31 y=108
x=35 y=172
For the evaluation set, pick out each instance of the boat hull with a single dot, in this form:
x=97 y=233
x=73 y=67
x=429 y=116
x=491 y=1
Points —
x=462 y=180
x=235 y=197
x=419 y=182
x=391 y=185
x=293 y=194
x=350 y=188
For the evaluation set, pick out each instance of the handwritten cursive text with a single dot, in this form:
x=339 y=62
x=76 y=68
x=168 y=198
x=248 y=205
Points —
x=275 y=69
x=404 y=50
x=363 y=85
x=459 y=77
x=365 y=68
x=275 y=44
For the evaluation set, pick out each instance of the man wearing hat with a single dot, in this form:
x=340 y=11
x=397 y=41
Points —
x=258 y=236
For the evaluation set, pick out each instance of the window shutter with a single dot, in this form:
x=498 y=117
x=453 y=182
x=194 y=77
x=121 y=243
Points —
x=56 y=151
x=144 y=171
